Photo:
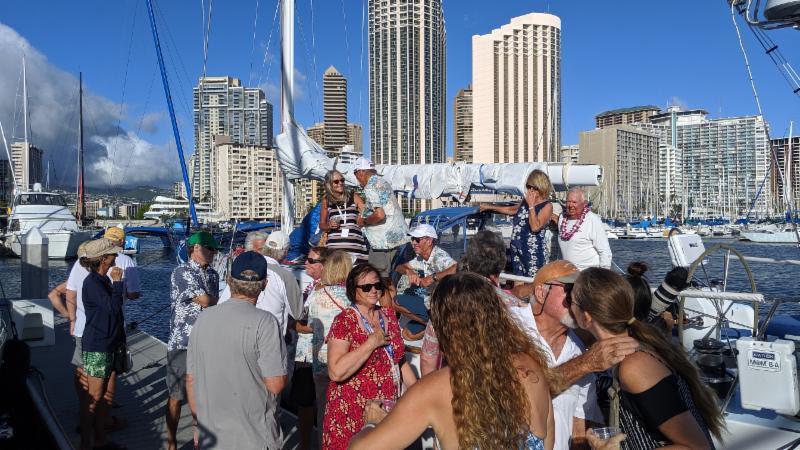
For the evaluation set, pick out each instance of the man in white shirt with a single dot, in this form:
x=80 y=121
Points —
x=274 y=298
x=581 y=235
x=575 y=408
x=77 y=315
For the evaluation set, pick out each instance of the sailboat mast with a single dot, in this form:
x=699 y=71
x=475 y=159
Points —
x=26 y=153
x=171 y=108
x=287 y=102
x=81 y=206
x=787 y=180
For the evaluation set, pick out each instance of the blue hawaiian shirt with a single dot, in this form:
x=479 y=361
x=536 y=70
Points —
x=393 y=231
x=189 y=280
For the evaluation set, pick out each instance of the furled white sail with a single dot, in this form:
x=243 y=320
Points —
x=301 y=157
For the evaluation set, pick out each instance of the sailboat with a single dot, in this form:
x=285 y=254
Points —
x=47 y=211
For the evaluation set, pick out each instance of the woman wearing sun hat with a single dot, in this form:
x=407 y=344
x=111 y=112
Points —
x=103 y=335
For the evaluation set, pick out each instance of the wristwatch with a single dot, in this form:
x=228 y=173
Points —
x=434 y=277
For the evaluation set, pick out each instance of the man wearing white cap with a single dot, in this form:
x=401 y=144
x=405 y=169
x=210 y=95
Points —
x=382 y=217
x=420 y=275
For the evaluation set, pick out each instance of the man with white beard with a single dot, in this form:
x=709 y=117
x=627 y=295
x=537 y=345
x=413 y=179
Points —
x=575 y=409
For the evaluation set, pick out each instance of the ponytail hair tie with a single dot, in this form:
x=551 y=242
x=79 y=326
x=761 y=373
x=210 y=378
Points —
x=631 y=320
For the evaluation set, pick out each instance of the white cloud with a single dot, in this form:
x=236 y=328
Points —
x=53 y=110
x=150 y=121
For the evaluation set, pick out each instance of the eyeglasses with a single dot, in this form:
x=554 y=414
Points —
x=313 y=260
x=338 y=181
x=567 y=290
x=369 y=286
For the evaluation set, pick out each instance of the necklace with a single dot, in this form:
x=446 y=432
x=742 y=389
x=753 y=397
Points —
x=565 y=235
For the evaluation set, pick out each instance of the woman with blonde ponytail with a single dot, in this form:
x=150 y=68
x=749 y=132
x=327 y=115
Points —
x=662 y=402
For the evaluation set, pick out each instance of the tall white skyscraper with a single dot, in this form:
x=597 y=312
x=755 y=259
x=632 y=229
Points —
x=462 y=125
x=407 y=81
x=334 y=105
x=228 y=109
x=516 y=91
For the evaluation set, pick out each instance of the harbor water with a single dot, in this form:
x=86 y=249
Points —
x=151 y=311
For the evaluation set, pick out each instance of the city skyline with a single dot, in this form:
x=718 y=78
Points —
x=593 y=81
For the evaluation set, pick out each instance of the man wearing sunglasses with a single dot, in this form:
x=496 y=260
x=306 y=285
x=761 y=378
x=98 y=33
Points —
x=575 y=409
x=384 y=224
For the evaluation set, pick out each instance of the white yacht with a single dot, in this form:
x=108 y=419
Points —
x=48 y=212
x=172 y=207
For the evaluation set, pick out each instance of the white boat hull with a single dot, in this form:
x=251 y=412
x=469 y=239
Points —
x=772 y=237
x=60 y=244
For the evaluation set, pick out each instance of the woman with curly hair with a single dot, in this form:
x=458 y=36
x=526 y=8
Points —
x=494 y=393
x=661 y=400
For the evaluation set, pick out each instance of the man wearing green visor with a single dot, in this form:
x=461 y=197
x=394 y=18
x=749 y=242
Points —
x=195 y=285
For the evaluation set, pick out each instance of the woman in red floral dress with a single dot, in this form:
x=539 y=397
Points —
x=365 y=358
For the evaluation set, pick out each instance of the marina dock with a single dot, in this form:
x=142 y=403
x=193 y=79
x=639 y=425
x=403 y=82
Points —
x=141 y=393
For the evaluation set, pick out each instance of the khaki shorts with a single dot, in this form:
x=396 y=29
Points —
x=382 y=260
x=77 y=355
x=176 y=374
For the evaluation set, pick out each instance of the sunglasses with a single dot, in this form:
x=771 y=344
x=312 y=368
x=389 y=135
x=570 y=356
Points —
x=567 y=290
x=528 y=186
x=313 y=260
x=417 y=239
x=338 y=181
x=369 y=286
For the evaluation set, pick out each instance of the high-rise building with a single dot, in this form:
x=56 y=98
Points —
x=622 y=116
x=786 y=175
x=27 y=161
x=230 y=109
x=317 y=133
x=128 y=210
x=462 y=125
x=307 y=193
x=6 y=183
x=334 y=105
x=712 y=168
x=570 y=153
x=629 y=157
x=407 y=81
x=516 y=91
x=248 y=182
x=355 y=137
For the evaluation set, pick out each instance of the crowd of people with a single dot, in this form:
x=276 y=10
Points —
x=534 y=365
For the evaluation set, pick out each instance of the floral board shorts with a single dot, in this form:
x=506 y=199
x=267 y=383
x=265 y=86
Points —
x=98 y=364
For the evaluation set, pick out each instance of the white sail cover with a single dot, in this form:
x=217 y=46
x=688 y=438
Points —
x=301 y=157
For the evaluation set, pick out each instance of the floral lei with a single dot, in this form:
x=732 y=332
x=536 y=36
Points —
x=567 y=235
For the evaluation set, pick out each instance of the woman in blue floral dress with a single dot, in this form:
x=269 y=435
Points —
x=530 y=241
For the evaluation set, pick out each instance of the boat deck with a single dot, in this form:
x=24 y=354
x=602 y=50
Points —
x=142 y=393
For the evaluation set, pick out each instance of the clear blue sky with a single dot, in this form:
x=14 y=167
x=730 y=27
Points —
x=614 y=54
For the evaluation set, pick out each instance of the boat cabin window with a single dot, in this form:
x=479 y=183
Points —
x=39 y=199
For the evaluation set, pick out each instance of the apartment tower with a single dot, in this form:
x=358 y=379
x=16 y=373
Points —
x=27 y=163
x=516 y=91
x=407 y=81
x=334 y=105
x=462 y=126
x=230 y=109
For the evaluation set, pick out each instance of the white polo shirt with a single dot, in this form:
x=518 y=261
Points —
x=580 y=400
x=78 y=273
x=273 y=298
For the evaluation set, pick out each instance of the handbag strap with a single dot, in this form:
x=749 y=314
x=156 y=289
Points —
x=325 y=289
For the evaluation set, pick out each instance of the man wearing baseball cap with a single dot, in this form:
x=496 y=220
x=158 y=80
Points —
x=419 y=277
x=382 y=217
x=236 y=365
x=194 y=286
x=575 y=409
